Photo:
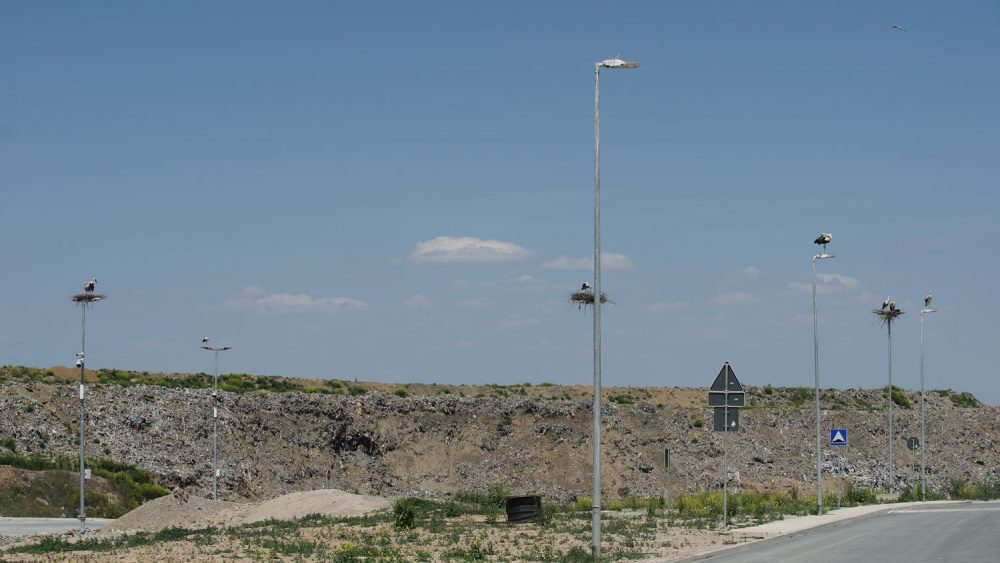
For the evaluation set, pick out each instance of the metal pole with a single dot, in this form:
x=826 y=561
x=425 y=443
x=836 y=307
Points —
x=215 y=430
x=83 y=431
x=819 y=474
x=892 y=481
x=923 y=443
x=595 y=546
x=725 y=461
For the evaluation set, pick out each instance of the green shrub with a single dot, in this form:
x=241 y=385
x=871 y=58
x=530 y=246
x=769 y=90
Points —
x=699 y=422
x=582 y=504
x=10 y=443
x=404 y=514
x=622 y=399
x=400 y=392
x=496 y=495
x=965 y=400
x=898 y=396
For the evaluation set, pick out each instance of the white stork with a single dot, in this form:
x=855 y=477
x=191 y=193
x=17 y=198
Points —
x=897 y=28
x=89 y=286
x=205 y=339
x=585 y=286
x=885 y=303
x=928 y=299
x=892 y=306
x=823 y=239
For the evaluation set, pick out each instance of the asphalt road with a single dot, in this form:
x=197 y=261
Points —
x=955 y=532
x=26 y=526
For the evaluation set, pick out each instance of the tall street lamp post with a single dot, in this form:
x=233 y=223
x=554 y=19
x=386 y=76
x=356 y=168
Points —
x=923 y=437
x=819 y=452
x=596 y=510
x=215 y=418
x=84 y=300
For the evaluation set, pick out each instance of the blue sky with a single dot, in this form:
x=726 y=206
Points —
x=401 y=191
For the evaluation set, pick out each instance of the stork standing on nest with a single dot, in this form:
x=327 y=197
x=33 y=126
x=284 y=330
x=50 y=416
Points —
x=928 y=299
x=885 y=303
x=892 y=306
x=205 y=339
x=89 y=286
x=823 y=239
x=585 y=287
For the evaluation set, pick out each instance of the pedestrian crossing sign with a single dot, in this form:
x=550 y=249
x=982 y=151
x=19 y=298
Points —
x=838 y=437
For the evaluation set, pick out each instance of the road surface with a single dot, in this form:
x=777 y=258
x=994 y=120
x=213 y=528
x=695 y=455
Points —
x=26 y=526
x=965 y=532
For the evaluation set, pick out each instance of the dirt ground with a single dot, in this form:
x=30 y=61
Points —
x=245 y=532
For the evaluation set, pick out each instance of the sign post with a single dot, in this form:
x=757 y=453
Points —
x=838 y=439
x=666 y=470
x=727 y=396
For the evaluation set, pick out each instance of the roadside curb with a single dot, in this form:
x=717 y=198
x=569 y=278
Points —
x=782 y=536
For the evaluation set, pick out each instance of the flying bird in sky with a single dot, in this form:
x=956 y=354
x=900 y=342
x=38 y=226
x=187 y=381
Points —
x=585 y=286
x=928 y=299
x=897 y=28
x=824 y=239
x=89 y=286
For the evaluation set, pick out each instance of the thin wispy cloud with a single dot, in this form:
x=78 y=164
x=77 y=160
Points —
x=666 y=306
x=609 y=261
x=467 y=250
x=476 y=303
x=827 y=284
x=734 y=297
x=255 y=298
x=526 y=282
x=418 y=302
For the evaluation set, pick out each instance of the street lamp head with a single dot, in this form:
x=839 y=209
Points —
x=617 y=63
x=822 y=256
x=224 y=348
x=928 y=310
x=209 y=348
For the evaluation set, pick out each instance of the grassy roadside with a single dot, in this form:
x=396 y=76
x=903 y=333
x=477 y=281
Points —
x=35 y=486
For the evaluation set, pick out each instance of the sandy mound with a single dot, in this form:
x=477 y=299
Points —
x=329 y=502
x=196 y=512
x=166 y=512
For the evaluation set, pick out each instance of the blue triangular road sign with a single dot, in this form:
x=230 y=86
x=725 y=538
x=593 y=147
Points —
x=838 y=437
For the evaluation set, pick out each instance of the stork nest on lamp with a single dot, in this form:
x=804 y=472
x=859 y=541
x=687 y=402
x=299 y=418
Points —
x=86 y=299
x=886 y=316
x=586 y=299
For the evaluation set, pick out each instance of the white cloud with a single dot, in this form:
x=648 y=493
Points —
x=526 y=283
x=609 y=261
x=476 y=303
x=257 y=299
x=750 y=272
x=467 y=250
x=665 y=307
x=734 y=297
x=418 y=302
x=827 y=284
x=517 y=321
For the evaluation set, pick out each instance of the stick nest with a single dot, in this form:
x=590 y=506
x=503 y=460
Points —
x=87 y=298
x=586 y=298
x=885 y=316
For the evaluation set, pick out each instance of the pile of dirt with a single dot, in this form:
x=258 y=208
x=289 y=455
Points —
x=328 y=502
x=171 y=511
x=186 y=511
